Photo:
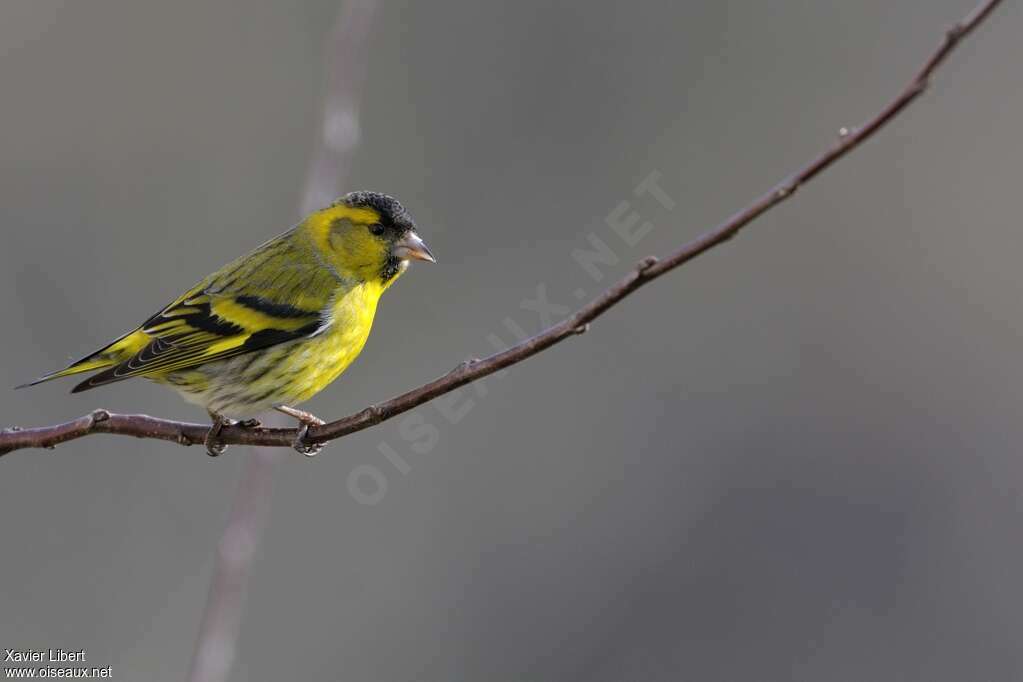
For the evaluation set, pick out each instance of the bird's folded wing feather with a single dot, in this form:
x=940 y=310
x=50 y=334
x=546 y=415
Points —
x=212 y=323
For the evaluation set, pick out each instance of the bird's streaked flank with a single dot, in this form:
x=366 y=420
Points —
x=274 y=327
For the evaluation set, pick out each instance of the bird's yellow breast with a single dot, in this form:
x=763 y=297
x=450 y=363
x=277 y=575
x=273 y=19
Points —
x=317 y=361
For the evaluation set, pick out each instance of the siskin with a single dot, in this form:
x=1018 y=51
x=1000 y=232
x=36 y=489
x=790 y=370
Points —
x=274 y=327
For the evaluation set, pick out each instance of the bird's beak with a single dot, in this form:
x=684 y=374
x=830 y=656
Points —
x=411 y=246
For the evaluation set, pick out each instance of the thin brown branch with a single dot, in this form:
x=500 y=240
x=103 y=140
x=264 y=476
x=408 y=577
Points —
x=649 y=269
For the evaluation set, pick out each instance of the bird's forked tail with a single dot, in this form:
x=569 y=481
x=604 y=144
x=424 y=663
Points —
x=108 y=356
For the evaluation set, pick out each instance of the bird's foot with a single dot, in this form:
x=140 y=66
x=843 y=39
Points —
x=305 y=420
x=214 y=448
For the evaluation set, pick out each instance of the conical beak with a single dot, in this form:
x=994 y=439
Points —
x=412 y=247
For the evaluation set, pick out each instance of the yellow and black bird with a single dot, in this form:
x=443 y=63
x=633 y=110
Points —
x=276 y=326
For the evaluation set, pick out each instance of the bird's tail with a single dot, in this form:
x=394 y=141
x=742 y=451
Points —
x=111 y=354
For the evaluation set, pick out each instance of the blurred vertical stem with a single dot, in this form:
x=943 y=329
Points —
x=346 y=59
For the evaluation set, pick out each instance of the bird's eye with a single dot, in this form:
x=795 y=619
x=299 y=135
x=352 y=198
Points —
x=377 y=229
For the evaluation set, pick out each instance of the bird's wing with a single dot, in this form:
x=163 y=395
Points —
x=217 y=320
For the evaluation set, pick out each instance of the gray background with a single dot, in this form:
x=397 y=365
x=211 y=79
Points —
x=797 y=458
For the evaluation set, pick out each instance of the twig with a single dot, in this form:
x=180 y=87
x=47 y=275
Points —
x=649 y=269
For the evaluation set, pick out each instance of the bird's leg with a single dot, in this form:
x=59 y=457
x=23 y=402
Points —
x=249 y=423
x=305 y=419
x=214 y=448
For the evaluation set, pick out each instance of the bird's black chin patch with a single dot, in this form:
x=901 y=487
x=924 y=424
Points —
x=392 y=267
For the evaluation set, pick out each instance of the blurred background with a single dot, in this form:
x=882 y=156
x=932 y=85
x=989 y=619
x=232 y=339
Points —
x=796 y=458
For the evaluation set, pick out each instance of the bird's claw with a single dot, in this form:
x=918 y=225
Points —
x=305 y=420
x=214 y=448
x=302 y=446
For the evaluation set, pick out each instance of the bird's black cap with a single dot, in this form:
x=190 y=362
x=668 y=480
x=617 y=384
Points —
x=390 y=209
